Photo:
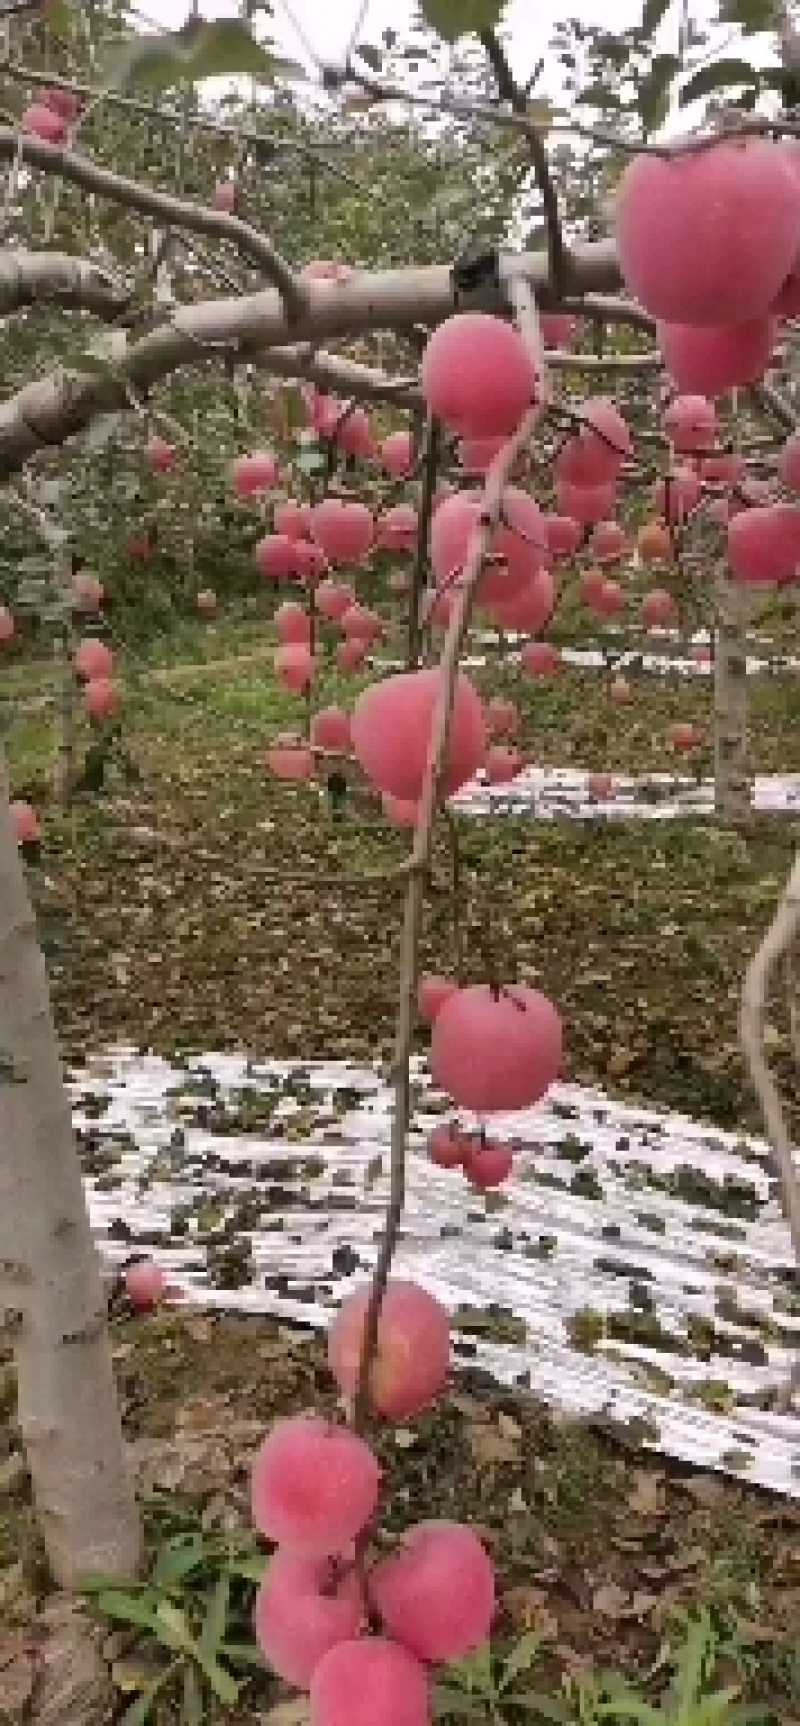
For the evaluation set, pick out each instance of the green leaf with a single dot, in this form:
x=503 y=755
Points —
x=653 y=98
x=475 y=1671
x=201 y=48
x=225 y=1687
x=373 y=1171
x=139 y=1712
x=174 y=1628
x=751 y=16
x=653 y=13
x=454 y=18
x=58 y=17
x=128 y=1609
x=597 y=95
x=243 y=1654
x=371 y=56
x=550 y=1709
x=629 y=1710
x=250 y=1569
x=104 y=1584
x=192 y=1700
x=153 y=62
x=523 y=1656
x=451 y=1703
x=216 y=1618
x=177 y=1559
x=225 y=48
x=720 y=75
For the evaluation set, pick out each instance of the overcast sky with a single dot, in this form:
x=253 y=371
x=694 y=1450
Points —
x=328 y=27
x=323 y=29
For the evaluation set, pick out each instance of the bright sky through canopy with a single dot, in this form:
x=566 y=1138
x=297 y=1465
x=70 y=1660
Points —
x=328 y=28
x=298 y=26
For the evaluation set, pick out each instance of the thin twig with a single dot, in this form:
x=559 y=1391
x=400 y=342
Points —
x=433 y=444
x=496 y=481
x=176 y=212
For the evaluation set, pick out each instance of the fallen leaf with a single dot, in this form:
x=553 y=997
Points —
x=610 y=1600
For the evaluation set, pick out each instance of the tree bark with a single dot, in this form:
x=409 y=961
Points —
x=49 y=1271
x=733 y=781
x=50 y=410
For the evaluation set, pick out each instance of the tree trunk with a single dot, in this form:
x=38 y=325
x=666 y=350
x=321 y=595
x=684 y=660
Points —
x=49 y=1270
x=733 y=782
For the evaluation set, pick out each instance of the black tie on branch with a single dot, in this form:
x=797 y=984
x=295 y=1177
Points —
x=337 y=787
x=476 y=276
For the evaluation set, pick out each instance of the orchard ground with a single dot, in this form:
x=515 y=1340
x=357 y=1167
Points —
x=248 y=890
x=210 y=907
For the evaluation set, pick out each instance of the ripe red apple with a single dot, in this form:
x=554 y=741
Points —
x=26 y=823
x=39 y=120
x=224 y=196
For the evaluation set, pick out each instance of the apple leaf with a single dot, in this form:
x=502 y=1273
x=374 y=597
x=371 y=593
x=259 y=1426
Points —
x=58 y=17
x=225 y=48
x=751 y=16
x=653 y=13
x=153 y=62
x=653 y=96
x=201 y=48
x=454 y=18
x=370 y=55
x=721 y=75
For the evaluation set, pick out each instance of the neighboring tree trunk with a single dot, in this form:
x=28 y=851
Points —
x=49 y=1270
x=733 y=782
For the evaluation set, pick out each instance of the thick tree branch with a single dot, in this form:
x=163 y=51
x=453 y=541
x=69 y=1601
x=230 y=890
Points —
x=176 y=212
x=366 y=383
x=28 y=278
x=612 y=309
x=342 y=376
x=53 y=409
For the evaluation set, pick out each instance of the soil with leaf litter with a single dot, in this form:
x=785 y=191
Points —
x=600 y=1549
x=209 y=907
